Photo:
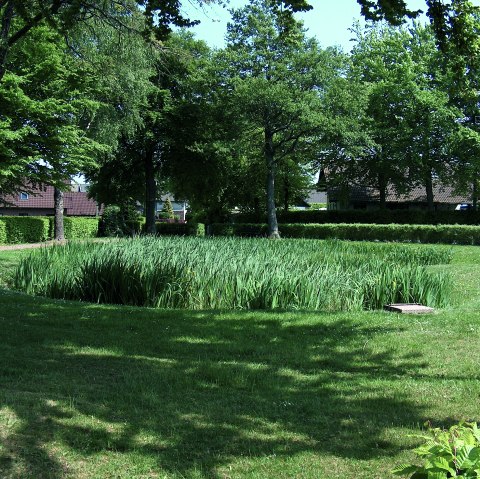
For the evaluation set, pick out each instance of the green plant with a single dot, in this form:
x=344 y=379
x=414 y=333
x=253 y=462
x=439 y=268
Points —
x=447 y=453
x=448 y=234
x=199 y=273
x=24 y=229
x=80 y=227
x=167 y=209
x=3 y=232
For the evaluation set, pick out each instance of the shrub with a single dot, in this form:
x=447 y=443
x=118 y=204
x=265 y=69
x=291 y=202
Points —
x=24 y=229
x=112 y=223
x=3 y=232
x=448 y=234
x=80 y=227
x=167 y=209
x=452 y=453
x=169 y=229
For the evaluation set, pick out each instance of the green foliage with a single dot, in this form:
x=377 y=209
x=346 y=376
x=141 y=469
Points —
x=3 y=232
x=25 y=229
x=197 y=229
x=452 y=453
x=447 y=234
x=237 y=273
x=112 y=222
x=168 y=209
x=80 y=228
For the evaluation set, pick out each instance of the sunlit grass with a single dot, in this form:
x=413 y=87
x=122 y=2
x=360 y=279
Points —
x=99 y=391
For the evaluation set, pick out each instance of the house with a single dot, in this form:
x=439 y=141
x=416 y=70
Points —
x=179 y=207
x=365 y=198
x=315 y=199
x=39 y=202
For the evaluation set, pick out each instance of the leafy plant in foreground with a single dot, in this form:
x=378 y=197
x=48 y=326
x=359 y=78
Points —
x=452 y=453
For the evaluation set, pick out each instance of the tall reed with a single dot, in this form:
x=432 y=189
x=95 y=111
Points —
x=199 y=273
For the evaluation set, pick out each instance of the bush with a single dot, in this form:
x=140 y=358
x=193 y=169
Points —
x=112 y=223
x=80 y=227
x=169 y=229
x=413 y=217
x=24 y=229
x=449 y=234
x=3 y=232
x=452 y=453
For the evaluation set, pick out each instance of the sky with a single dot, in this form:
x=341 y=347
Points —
x=328 y=22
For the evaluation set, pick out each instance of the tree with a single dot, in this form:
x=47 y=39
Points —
x=276 y=78
x=402 y=134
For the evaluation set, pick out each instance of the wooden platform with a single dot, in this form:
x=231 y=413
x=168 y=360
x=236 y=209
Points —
x=408 y=308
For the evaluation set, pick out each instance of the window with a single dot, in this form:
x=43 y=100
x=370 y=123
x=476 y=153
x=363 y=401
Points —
x=24 y=196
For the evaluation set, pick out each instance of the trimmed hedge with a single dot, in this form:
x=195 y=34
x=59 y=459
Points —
x=79 y=227
x=448 y=234
x=412 y=217
x=3 y=232
x=24 y=229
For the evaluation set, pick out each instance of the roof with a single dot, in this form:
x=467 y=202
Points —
x=76 y=203
x=315 y=196
x=441 y=194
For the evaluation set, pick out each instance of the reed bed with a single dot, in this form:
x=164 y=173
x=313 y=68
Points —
x=234 y=273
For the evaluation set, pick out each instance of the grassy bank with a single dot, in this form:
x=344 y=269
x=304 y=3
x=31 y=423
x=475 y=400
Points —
x=92 y=391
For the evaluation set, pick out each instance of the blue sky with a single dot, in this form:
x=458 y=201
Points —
x=329 y=21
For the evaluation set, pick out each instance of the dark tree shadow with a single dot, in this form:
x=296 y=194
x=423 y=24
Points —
x=194 y=389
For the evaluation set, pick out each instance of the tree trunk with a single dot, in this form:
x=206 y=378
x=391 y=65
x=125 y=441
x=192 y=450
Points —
x=429 y=191
x=59 y=234
x=271 y=167
x=150 y=192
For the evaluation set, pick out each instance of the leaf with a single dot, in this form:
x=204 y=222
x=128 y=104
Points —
x=405 y=469
x=436 y=475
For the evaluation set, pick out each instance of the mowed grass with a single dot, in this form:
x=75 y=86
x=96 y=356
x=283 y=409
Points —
x=94 y=391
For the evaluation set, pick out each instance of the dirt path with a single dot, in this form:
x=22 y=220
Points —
x=10 y=247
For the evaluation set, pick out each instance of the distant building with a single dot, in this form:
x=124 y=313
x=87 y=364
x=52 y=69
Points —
x=364 y=198
x=179 y=207
x=39 y=202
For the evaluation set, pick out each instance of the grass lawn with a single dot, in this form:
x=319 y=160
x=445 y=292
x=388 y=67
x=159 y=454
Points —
x=90 y=391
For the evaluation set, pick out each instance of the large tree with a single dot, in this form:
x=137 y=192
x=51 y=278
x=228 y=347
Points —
x=276 y=78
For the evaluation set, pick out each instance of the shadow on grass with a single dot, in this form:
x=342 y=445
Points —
x=192 y=390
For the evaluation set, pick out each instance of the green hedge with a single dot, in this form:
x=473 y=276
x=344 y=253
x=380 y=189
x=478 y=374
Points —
x=412 y=217
x=24 y=229
x=79 y=227
x=3 y=232
x=449 y=234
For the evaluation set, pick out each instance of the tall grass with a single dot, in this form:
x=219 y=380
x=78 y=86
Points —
x=229 y=273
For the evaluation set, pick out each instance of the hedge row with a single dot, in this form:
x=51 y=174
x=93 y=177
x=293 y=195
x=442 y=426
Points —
x=23 y=229
x=137 y=227
x=35 y=229
x=180 y=229
x=448 y=234
x=3 y=232
x=80 y=228
x=412 y=217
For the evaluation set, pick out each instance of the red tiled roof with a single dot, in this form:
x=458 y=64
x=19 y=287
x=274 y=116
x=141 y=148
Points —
x=76 y=203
